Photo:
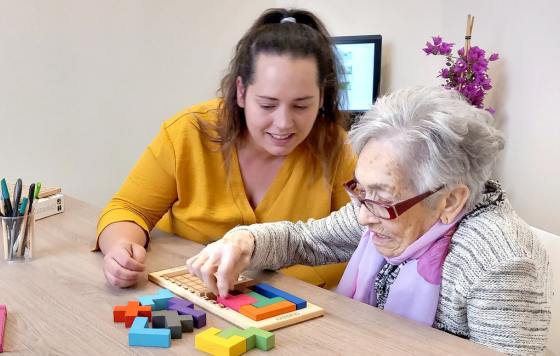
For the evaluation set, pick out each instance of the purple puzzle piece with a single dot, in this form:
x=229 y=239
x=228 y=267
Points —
x=181 y=302
x=199 y=317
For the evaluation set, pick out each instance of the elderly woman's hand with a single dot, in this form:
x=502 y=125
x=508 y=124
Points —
x=220 y=263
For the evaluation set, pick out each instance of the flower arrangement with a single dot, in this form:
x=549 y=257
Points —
x=467 y=72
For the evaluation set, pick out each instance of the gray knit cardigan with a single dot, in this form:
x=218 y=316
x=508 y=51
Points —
x=497 y=280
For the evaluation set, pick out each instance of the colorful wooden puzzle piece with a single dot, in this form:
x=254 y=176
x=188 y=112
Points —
x=262 y=339
x=141 y=335
x=269 y=291
x=170 y=319
x=199 y=317
x=157 y=301
x=180 y=301
x=263 y=301
x=236 y=301
x=268 y=311
x=127 y=313
x=3 y=319
x=209 y=341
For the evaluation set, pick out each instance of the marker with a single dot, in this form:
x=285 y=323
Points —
x=23 y=205
x=37 y=190
x=6 y=198
x=31 y=197
x=17 y=196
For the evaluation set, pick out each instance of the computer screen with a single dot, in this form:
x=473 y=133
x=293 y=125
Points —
x=360 y=57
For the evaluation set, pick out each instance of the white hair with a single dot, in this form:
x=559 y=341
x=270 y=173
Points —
x=441 y=138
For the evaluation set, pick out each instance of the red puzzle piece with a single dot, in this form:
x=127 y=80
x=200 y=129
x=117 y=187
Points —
x=127 y=313
x=236 y=301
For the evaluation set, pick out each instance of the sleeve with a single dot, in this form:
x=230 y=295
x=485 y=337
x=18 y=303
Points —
x=344 y=172
x=149 y=190
x=508 y=309
x=331 y=239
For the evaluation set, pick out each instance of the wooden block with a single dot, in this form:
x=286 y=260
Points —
x=269 y=291
x=180 y=301
x=268 y=311
x=264 y=340
x=3 y=321
x=127 y=313
x=208 y=341
x=263 y=301
x=171 y=320
x=229 y=332
x=236 y=301
x=199 y=317
x=157 y=301
x=141 y=335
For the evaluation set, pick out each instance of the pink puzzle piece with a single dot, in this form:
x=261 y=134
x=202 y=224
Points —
x=236 y=301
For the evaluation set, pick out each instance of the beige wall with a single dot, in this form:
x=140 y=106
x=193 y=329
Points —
x=527 y=78
x=96 y=79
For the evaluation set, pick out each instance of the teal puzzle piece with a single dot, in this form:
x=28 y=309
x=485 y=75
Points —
x=141 y=335
x=157 y=301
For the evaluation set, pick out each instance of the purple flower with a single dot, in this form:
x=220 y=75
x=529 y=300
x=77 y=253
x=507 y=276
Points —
x=467 y=74
x=445 y=48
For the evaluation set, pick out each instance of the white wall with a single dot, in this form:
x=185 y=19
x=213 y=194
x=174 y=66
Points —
x=96 y=79
x=85 y=85
x=527 y=78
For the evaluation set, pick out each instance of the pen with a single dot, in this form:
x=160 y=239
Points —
x=37 y=190
x=31 y=197
x=6 y=198
x=20 y=236
x=17 y=196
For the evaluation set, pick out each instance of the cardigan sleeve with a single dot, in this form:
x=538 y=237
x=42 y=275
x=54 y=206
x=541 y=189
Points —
x=508 y=309
x=331 y=239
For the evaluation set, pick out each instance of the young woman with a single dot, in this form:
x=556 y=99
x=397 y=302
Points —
x=270 y=148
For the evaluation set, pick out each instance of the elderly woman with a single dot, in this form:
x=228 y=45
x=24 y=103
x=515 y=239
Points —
x=428 y=235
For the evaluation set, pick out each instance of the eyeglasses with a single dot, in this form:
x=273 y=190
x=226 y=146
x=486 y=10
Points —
x=381 y=210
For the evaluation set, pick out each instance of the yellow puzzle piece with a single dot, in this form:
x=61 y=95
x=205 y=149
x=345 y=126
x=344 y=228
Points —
x=209 y=341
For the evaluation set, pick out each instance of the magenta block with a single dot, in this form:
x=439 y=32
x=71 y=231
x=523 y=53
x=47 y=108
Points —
x=236 y=301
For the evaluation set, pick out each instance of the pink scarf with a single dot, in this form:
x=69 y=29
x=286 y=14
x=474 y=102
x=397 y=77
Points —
x=415 y=292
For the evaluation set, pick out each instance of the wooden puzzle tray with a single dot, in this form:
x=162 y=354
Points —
x=179 y=281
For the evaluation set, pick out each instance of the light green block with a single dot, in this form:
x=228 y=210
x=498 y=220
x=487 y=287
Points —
x=264 y=301
x=250 y=339
x=265 y=340
x=262 y=339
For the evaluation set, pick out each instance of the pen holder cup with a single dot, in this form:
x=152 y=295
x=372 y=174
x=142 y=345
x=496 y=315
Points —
x=17 y=235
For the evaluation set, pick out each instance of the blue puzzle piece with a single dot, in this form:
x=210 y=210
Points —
x=141 y=335
x=269 y=291
x=157 y=301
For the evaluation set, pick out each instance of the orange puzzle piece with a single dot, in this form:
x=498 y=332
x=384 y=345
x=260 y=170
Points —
x=268 y=311
x=127 y=313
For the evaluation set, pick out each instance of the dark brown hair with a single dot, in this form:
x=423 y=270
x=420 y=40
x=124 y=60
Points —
x=306 y=37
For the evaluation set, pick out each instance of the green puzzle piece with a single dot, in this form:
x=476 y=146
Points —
x=263 y=301
x=262 y=339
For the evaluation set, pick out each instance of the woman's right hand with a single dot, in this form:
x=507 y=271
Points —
x=123 y=263
x=219 y=264
x=123 y=243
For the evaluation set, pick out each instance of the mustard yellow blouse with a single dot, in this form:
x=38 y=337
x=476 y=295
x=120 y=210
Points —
x=180 y=183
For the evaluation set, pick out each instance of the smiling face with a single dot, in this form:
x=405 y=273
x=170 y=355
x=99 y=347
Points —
x=281 y=104
x=383 y=178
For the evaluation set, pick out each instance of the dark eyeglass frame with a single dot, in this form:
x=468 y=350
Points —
x=394 y=210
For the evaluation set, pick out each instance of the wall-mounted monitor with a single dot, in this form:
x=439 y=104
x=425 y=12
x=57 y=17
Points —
x=360 y=57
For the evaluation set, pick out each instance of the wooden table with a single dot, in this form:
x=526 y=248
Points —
x=59 y=303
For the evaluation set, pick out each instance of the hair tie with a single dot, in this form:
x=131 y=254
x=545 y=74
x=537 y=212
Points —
x=288 y=19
